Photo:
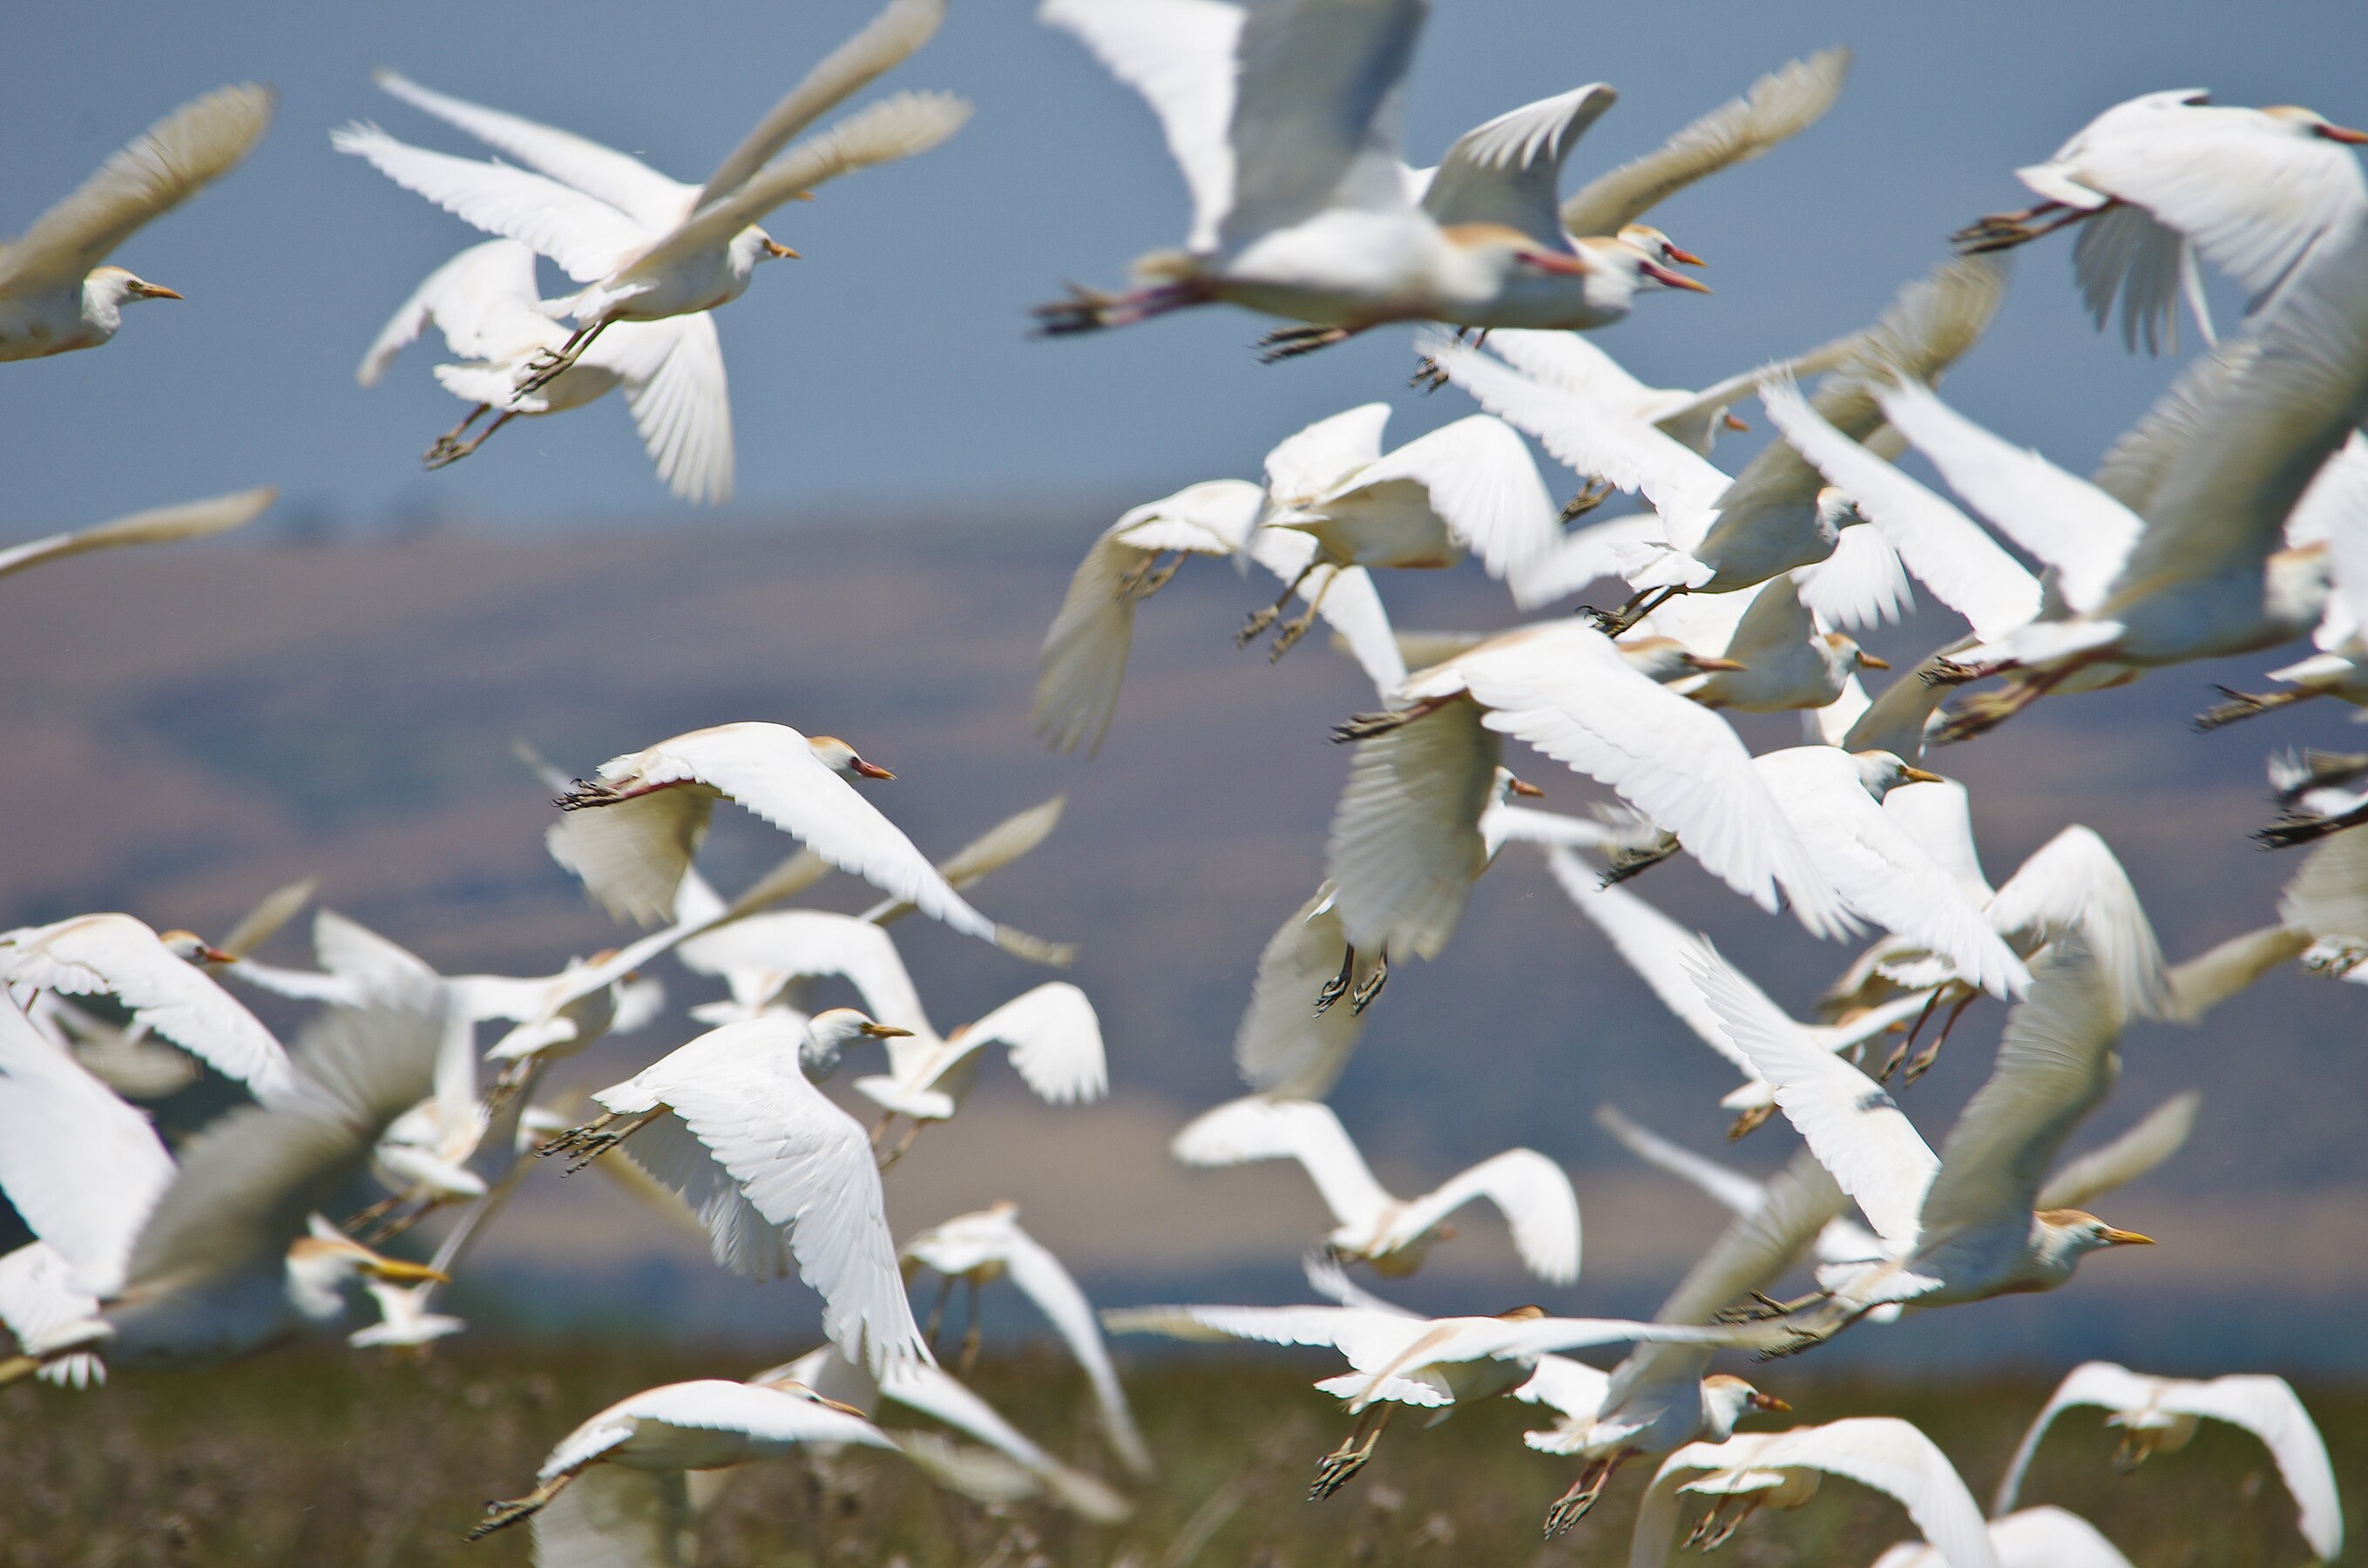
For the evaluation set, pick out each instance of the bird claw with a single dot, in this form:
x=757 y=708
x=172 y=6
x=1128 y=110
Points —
x=1139 y=585
x=1364 y=995
x=1337 y=987
x=1591 y=495
x=1289 y=343
x=1948 y=672
x=1921 y=1063
x=1086 y=310
x=1260 y=618
x=1288 y=638
x=1334 y=1471
x=501 y=1515
x=1749 y=1121
x=1429 y=376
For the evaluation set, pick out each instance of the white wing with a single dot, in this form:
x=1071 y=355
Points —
x=2210 y=978
x=2074 y=881
x=1404 y=845
x=796 y=944
x=1780 y=104
x=2055 y=1065
x=2328 y=896
x=771 y=770
x=1583 y=556
x=1939 y=817
x=1726 y=1185
x=886 y=42
x=2091 y=1383
x=1055 y=1041
x=1483 y=486
x=1861 y=584
x=353 y=951
x=1039 y=1275
x=1534 y=1194
x=2122 y=253
x=2156 y=1137
x=2269 y=1408
x=1572 y=1387
x=1947 y=549
x=612 y=1517
x=1856 y=1130
x=1283 y=1045
x=82 y=1169
x=1564 y=689
x=807 y=1167
x=1664 y=954
x=170 y=162
x=1882 y=873
x=615 y=179
x=1880 y=1451
x=681 y=398
x=116 y=955
x=160 y=525
x=38 y=1304
x=453 y=298
x=2084 y=533
x=1083 y=660
x=1179 y=55
x=584 y=234
x=1262 y=1127
x=1508 y=170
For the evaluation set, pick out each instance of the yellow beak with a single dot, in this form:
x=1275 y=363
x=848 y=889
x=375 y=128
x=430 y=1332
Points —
x=398 y=1268
x=158 y=291
x=884 y=1031
x=1871 y=662
x=1769 y=1401
x=1701 y=664
x=2124 y=1238
x=1523 y=787
x=1918 y=775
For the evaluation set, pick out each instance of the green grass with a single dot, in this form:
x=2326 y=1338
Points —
x=319 y=1458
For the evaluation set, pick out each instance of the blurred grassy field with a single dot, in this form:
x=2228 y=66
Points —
x=319 y=1457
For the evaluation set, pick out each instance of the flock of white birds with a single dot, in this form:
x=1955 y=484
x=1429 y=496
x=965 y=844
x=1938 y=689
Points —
x=2232 y=520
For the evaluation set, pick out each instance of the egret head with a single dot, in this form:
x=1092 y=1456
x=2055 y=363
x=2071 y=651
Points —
x=188 y=947
x=321 y=1263
x=1883 y=771
x=2310 y=122
x=829 y=1035
x=1849 y=655
x=1653 y=242
x=1728 y=1399
x=2067 y=1234
x=841 y=759
x=780 y=1381
x=114 y=286
x=1505 y=786
x=1629 y=268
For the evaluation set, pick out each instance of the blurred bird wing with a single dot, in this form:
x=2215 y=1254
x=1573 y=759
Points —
x=614 y=1516
x=771 y=770
x=1015 y=836
x=807 y=1167
x=1283 y=1045
x=2074 y=881
x=82 y=1169
x=1260 y=1128
x=1754 y=625
x=485 y=302
x=263 y=922
x=1316 y=101
x=1508 y=170
x=1663 y=953
x=2124 y=253
x=1572 y=1387
x=1723 y=1184
x=1855 y=1130
x=1181 y=55
x=1939 y=818
x=2044 y=1537
x=886 y=42
x=2269 y=1408
x=1564 y=689
x=2054 y=1065
x=251 y=1181
x=894 y=128
x=2334 y=511
x=1055 y=1040
x=922 y=1386
x=1482 y=485
x=2092 y=1382
x=1325 y=456
x=1569 y=360
x=1861 y=584
x=739 y=1237
x=39 y=1302
x=1592 y=436
x=798 y=944
x=681 y=399
x=586 y=236
x=1583 y=556
x=1880 y=872
x=1367 y=1338
x=1344 y=595
x=167 y=164
x=2328 y=895
x=1951 y=552
x=160 y=525
x=1083 y=659
x=2156 y=1137
x=1404 y=845
x=2080 y=530
x=347 y=948
x=1501 y=824
x=1534 y=1194
x=117 y=955
x=1041 y=1277
x=769 y=1414
x=1778 y=106
x=616 y=179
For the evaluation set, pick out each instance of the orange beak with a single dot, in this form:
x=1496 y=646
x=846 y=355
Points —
x=1768 y=1401
x=1735 y=423
x=871 y=770
x=1871 y=662
x=1682 y=258
x=2131 y=1238
x=1523 y=787
x=1668 y=280
x=2342 y=133
x=158 y=291
x=781 y=252
x=215 y=955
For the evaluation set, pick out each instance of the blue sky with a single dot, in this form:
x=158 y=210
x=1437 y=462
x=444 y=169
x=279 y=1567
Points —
x=889 y=371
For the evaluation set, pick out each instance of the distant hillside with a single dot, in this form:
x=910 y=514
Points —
x=187 y=728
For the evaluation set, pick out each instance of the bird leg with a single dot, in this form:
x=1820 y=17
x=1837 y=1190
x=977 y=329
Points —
x=1365 y=994
x=1429 y=376
x=903 y=1144
x=1988 y=709
x=1261 y=618
x=1629 y=861
x=973 y=1331
x=1572 y=1504
x=1719 y=1525
x=1149 y=578
x=1089 y=310
x=1291 y=342
x=1765 y=1308
x=502 y=1515
x=592 y=1140
x=1332 y=1471
x=2136 y=1444
x=938 y=1311
x=2244 y=705
x=359 y=1218
x=1591 y=495
x=547 y=366
x=1296 y=626
x=1637 y=607
x=1932 y=1054
x=1337 y=987
x=447 y=451
x=453 y=437
x=1900 y=1054
x=1748 y=1123
x=2003 y=231
x=2296 y=830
